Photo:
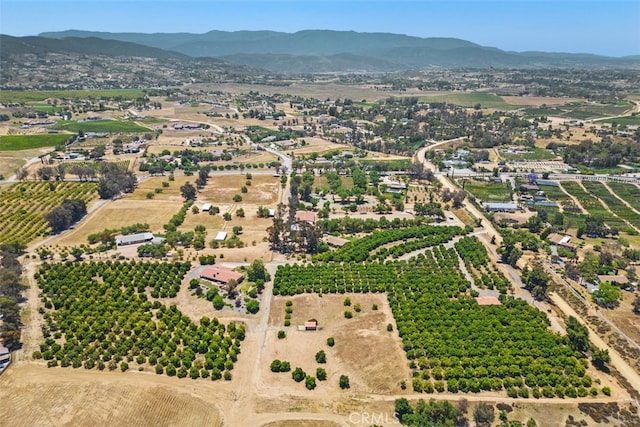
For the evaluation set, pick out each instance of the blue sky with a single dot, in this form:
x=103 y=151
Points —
x=610 y=27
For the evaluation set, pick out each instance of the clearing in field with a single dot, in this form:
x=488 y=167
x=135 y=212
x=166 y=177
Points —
x=364 y=350
x=264 y=189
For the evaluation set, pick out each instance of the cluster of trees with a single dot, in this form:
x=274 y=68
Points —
x=287 y=235
x=350 y=225
x=68 y=213
x=432 y=413
x=115 y=180
x=474 y=254
x=119 y=325
x=11 y=289
x=604 y=154
x=361 y=249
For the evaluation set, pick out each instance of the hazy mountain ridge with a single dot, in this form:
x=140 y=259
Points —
x=347 y=51
x=91 y=45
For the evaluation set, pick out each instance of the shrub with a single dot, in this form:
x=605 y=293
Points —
x=348 y=314
x=310 y=382
x=298 y=375
x=389 y=327
x=606 y=391
x=331 y=341
x=321 y=374
x=282 y=334
x=321 y=357
x=344 y=382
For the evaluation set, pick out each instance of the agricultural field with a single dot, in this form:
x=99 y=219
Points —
x=619 y=208
x=163 y=340
x=622 y=121
x=111 y=126
x=452 y=343
x=488 y=191
x=593 y=205
x=29 y=142
x=580 y=111
x=630 y=193
x=485 y=99
x=19 y=96
x=23 y=206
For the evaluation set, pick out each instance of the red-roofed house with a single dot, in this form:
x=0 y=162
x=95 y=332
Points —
x=488 y=301
x=220 y=274
x=306 y=216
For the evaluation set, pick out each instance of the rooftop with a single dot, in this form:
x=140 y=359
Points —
x=218 y=273
x=488 y=301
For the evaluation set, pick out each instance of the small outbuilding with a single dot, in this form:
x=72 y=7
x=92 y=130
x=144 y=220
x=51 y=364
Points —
x=207 y=207
x=133 y=239
x=500 y=207
x=311 y=325
x=220 y=236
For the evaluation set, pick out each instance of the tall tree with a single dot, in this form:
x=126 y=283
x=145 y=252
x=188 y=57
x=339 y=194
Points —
x=578 y=334
x=188 y=191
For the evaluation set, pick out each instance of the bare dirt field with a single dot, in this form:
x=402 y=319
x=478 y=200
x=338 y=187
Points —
x=357 y=352
x=263 y=191
x=624 y=318
x=318 y=145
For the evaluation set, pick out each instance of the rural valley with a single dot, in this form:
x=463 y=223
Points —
x=346 y=229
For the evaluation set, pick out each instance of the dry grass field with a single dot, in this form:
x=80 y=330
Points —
x=371 y=356
x=318 y=145
x=120 y=213
x=89 y=398
x=263 y=191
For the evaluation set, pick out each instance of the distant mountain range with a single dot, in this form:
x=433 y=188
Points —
x=309 y=51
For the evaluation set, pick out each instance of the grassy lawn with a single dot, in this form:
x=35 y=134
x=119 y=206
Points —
x=537 y=154
x=488 y=191
x=113 y=126
x=20 y=96
x=27 y=142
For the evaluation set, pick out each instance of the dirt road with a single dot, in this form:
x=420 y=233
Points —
x=616 y=360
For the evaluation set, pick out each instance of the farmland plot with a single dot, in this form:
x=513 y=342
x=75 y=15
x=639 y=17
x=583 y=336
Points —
x=452 y=343
x=23 y=206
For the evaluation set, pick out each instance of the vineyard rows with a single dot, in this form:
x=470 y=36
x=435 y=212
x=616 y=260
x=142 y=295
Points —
x=23 y=206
